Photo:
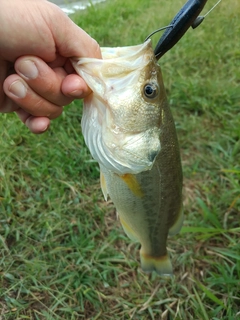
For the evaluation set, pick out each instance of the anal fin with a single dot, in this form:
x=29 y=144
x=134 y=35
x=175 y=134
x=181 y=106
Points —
x=177 y=225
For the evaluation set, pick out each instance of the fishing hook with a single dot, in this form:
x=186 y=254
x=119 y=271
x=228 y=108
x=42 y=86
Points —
x=160 y=29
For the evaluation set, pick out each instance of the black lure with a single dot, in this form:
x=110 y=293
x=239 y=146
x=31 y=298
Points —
x=187 y=16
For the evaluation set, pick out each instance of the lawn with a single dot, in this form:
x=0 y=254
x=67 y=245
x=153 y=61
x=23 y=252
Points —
x=63 y=253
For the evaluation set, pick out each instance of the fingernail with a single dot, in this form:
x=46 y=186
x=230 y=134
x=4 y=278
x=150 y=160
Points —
x=28 y=69
x=76 y=88
x=76 y=93
x=45 y=129
x=18 y=89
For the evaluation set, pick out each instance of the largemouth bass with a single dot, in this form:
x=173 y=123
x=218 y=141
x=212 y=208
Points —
x=128 y=128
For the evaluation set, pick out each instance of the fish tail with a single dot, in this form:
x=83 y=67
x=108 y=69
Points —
x=162 y=265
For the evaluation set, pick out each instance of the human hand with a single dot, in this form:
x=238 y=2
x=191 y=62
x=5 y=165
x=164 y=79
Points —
x=36 y=76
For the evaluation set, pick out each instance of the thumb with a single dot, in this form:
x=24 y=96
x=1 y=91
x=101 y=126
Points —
x=71 y=40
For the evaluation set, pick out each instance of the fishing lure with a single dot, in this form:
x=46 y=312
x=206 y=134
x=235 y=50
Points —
x=188 y=16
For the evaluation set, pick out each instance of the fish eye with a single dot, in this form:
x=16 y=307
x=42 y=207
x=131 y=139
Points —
x=150 y=91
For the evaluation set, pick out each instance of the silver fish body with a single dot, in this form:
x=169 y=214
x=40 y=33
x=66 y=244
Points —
x=128 y=127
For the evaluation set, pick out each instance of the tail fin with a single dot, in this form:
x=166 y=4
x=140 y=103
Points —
x=162 y=265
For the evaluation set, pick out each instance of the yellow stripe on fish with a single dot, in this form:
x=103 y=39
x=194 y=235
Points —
x=132 y=184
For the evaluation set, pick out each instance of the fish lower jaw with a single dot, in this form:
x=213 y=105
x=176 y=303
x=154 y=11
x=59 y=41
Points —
x=125 y=163
x=122 y=160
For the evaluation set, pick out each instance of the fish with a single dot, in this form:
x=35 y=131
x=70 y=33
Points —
x=128 y=127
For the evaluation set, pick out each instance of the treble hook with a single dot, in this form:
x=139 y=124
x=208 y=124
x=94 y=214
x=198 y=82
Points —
x=185 y=18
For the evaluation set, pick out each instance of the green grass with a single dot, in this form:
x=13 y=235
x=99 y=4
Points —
x=63 y=254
